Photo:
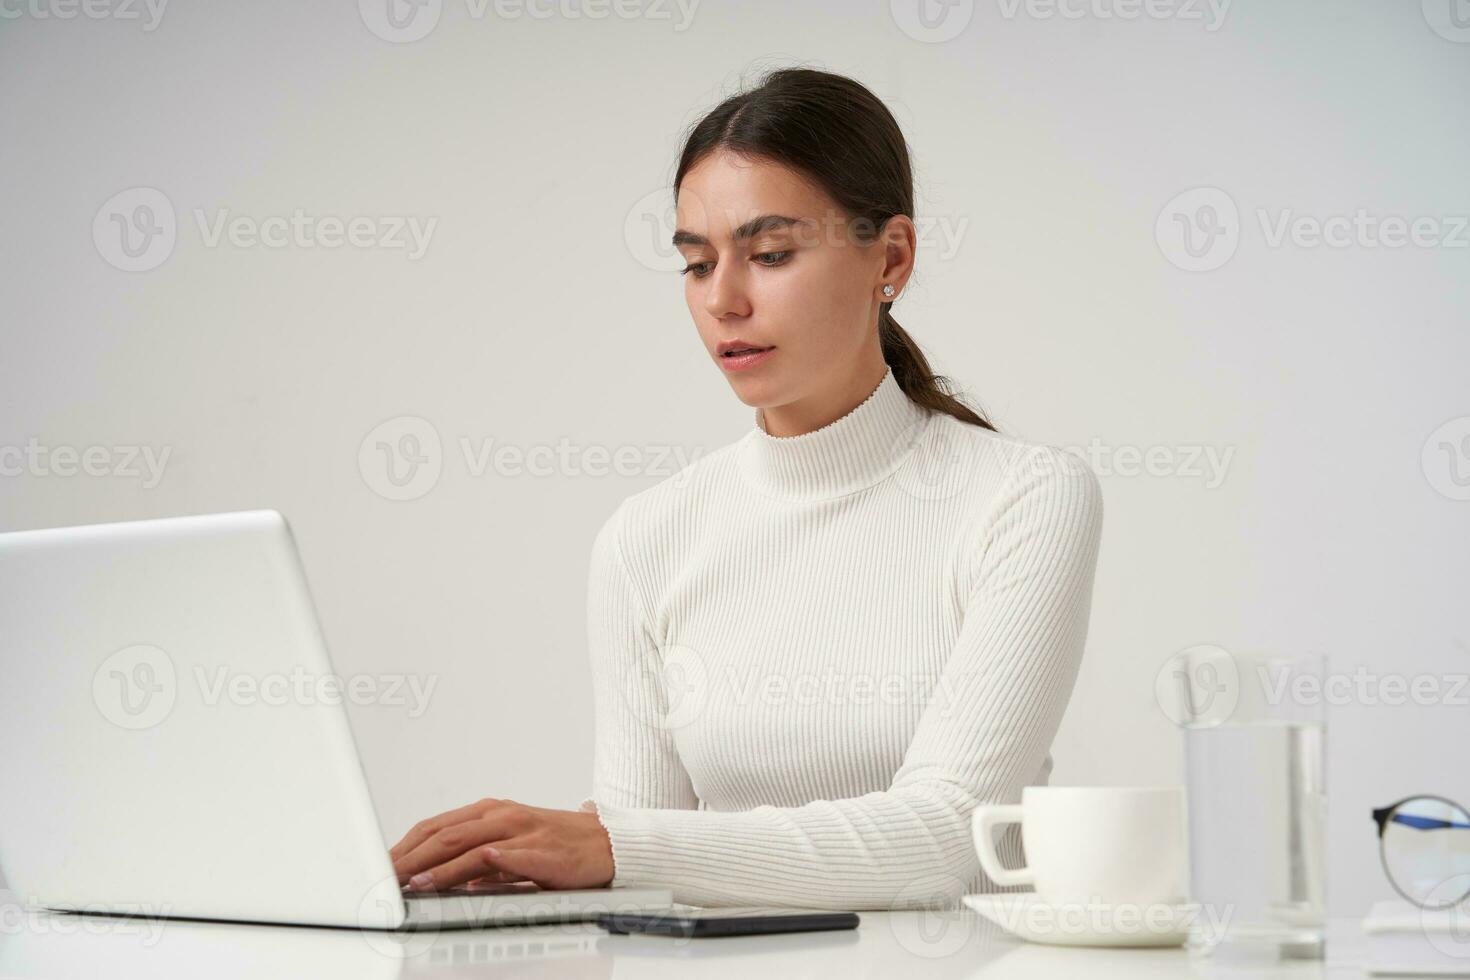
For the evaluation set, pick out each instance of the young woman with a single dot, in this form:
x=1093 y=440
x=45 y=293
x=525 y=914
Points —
x=817 y=650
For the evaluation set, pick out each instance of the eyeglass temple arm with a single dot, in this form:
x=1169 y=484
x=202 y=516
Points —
x=1428 y=823
x=1382 y=815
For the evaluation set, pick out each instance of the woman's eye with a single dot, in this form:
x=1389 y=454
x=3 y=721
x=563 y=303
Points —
x=701 y=269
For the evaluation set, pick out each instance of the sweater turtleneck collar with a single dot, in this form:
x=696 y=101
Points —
x=852 y=453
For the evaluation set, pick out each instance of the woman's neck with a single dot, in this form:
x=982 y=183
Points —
x=851 y=452
x=822 y=408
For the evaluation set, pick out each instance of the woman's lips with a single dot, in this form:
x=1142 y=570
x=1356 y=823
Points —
x=740 y=362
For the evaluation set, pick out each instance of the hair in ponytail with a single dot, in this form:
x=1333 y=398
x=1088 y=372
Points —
x=838 y=133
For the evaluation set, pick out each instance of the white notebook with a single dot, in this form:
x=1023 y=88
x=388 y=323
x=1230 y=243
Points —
x=1402 y=939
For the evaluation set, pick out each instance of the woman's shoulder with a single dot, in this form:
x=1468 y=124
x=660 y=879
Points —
x=1022 y=503
x=981 y=471
x=987 y=467
x=685 y=491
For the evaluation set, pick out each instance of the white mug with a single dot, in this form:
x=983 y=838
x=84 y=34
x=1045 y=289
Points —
x=1107 y=844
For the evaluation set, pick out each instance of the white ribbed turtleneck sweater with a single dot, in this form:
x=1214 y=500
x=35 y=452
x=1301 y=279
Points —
x=814 y=655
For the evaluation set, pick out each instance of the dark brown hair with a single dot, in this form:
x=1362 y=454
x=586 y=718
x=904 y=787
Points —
x=837 y=133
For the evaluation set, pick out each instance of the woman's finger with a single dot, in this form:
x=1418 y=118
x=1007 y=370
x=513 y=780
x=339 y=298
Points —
x=424 y=829
x=498 y=878
x=454 y=840
x=475 y=863
x=525 y=863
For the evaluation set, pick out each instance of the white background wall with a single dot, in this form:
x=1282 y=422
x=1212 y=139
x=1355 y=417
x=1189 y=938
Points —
x=1045 y=148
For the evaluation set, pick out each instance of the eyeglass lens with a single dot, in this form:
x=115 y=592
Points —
x=1426 y=851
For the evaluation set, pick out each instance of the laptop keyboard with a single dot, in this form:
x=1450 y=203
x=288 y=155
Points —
x=471 y=891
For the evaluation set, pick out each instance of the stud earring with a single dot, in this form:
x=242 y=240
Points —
x=888 y=290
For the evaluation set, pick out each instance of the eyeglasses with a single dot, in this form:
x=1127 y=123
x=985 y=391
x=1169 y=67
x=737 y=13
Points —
x=1424 y=843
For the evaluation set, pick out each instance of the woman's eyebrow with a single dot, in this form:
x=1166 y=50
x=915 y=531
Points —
x=753 y=227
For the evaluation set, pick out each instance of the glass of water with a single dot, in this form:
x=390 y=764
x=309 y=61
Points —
x=1254 y=728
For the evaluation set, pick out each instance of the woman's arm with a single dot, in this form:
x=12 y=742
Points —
x=635 y=763
x=1011 y=673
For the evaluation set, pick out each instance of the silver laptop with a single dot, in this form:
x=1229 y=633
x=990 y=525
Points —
x=174 y=742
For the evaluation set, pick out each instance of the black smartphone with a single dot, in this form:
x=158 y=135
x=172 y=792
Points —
x=704 y=923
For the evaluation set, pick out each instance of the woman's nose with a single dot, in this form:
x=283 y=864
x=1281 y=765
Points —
x=725 y=293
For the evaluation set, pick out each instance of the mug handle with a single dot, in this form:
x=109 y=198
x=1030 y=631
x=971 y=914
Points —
x=987 y=817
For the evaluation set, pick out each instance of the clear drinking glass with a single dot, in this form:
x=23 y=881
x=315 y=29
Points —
x=1254 y=728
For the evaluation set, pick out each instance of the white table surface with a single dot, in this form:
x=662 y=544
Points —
x=886 y=944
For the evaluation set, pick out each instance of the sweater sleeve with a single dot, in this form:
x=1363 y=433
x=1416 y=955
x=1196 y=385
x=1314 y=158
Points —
x=635 y=762
x=1011 y=672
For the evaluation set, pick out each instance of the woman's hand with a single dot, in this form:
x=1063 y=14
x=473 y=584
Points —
x=502 y=840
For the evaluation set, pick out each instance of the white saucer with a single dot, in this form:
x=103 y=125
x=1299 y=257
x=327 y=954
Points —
x=1025 y=915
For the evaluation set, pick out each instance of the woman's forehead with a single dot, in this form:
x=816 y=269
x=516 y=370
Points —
x=725 y=193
